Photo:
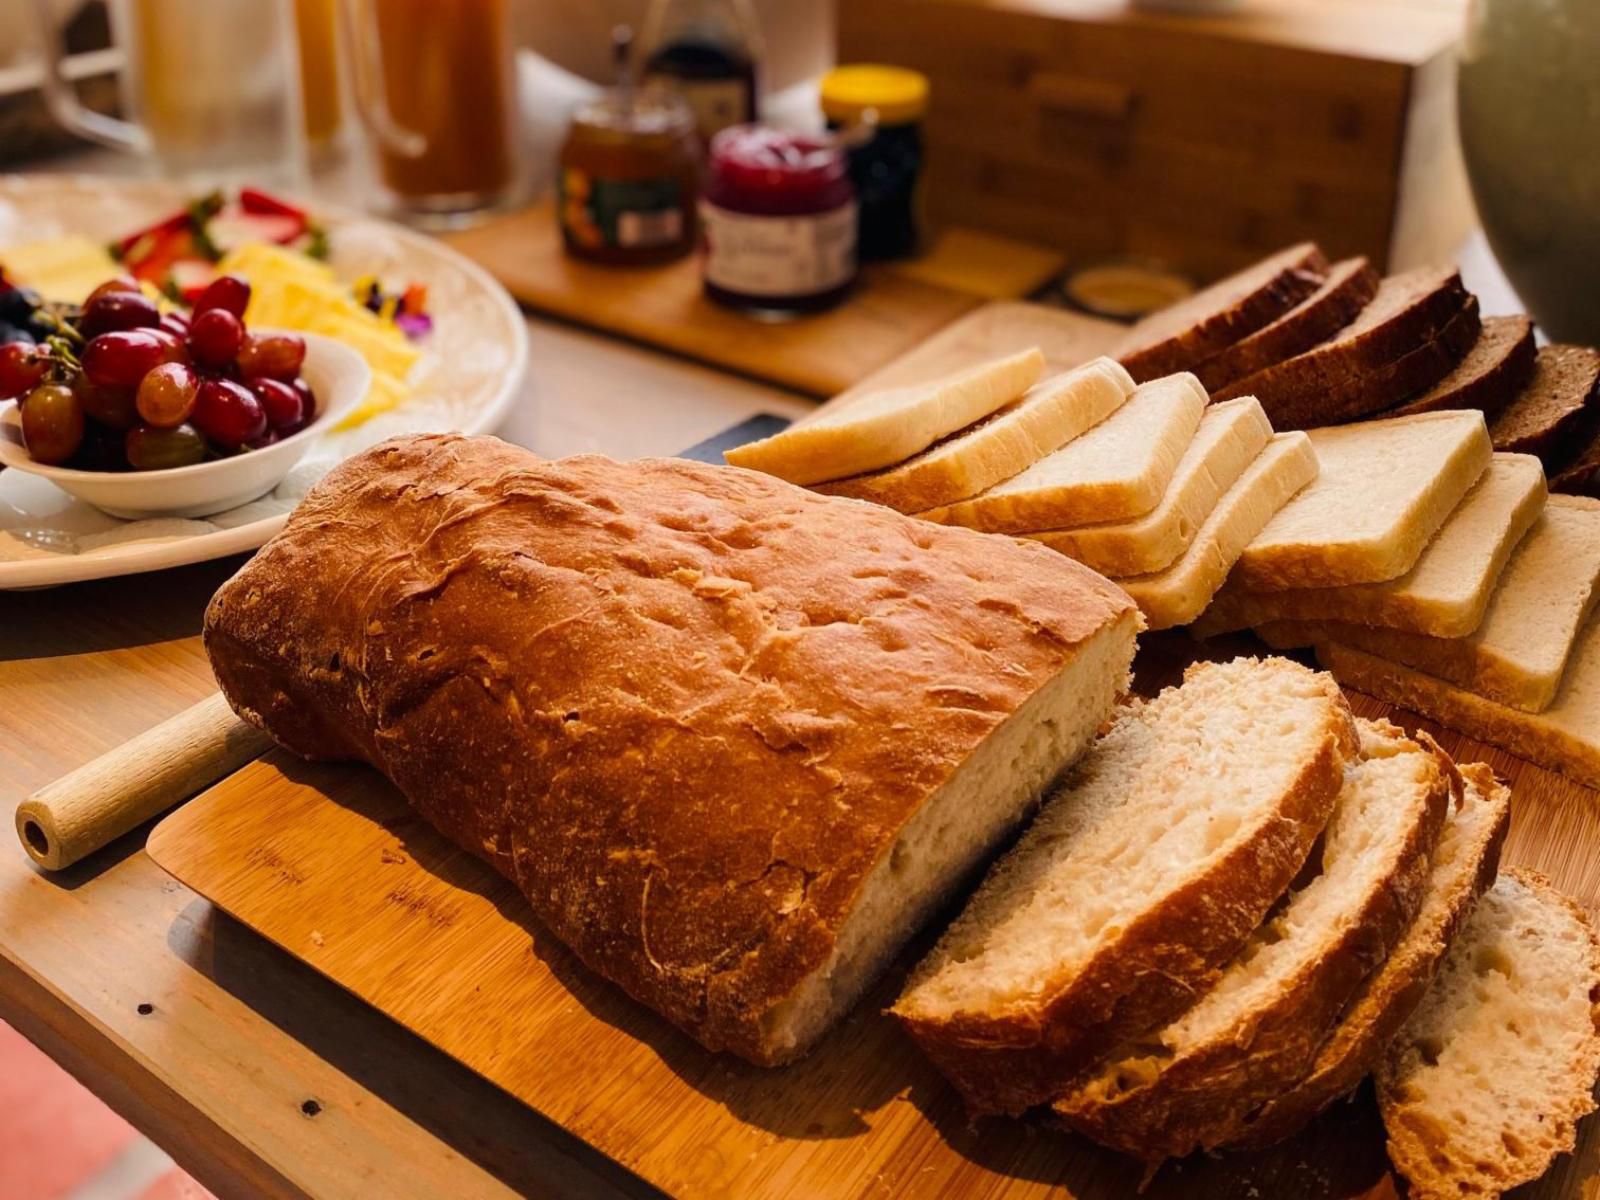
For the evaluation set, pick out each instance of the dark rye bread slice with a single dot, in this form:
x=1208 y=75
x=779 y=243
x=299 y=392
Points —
x=1494 y=370
x=1349 y=287
x=1581 y=476
x=1191 y=1084
x=1157 y=859
x=1187 y=333
x=1547 y=417
x=1464 y=865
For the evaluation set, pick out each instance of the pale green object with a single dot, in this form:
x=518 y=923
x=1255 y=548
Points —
x=1529 y=98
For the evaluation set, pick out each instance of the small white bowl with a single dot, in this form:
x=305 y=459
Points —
x=337 y=374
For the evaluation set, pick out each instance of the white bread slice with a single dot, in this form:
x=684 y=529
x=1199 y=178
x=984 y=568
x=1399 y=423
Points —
x=1447 y=592
x=1564 y=737
x=1192 y=1084
x=1230 y=436
x=1119 y=469
x=1487 y=1081
x=1464 y=865
x=882 y=428
x=1180 y=593
x=1148 y=869
x=1518 y=654
x=1007 y=441
x=1385 y=488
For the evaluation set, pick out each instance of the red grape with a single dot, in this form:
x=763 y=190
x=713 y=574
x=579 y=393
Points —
x=52 y=423
x=167 y=395
x=308 y=395
x=22 y=366
x=123 y=358
x=177 y=349
x=150 y=449
x=227 y=292
x=265 y=440
x=283 y=405
x=118 y=310
x=215 y=337
x=274 y=355
x=117 y=283
x=228 y=413
x=109 y=406
x=176 y=323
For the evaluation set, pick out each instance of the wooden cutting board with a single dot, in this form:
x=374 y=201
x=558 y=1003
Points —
x=328 y=862
x=820 y=355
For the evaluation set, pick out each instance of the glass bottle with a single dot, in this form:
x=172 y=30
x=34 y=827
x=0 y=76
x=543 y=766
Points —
x=708 y=51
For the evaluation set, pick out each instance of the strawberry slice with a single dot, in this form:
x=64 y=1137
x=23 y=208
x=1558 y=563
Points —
x=236 y=227
x=254 y=200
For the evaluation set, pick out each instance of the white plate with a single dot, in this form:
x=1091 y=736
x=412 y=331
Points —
x=469 y=376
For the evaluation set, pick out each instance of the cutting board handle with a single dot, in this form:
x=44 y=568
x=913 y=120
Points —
x=103 y=799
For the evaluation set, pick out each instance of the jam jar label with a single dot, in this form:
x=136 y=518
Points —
x=779 y=256
x=620 y=212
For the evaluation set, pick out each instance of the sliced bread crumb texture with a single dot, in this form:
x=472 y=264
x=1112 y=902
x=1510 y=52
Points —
x=1194 y=1084
x=1546 y=417
x=1486 y=1082
x=1490 y=375
x=1144 y=873
x=1463 y=866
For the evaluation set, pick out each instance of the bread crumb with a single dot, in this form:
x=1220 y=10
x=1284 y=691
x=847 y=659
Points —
x=391 y=856
x=316 y=937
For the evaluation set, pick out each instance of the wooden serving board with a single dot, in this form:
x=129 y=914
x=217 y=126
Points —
x=820 y=355
x=328 y=862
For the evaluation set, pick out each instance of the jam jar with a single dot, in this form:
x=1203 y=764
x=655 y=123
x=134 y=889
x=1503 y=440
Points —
x=879 y=110
x=778 y=222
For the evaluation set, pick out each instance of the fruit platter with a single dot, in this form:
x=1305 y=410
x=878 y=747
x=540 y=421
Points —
x=151 y=340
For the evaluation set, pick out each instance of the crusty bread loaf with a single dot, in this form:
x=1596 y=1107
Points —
x=1119 y=469
x=880 y=429
x=1349 y=287
x=1496 y=368
x=1052 y=413
x=1230 y=436
x=1463 y=866
x=1185 y=334
x=733 y=740
x=1486 y=1083
x=1256 y=1032
x=1552 y=408
x=1150 y=867
x=1180 y=593
x=1384 y=489
x=1447 y=592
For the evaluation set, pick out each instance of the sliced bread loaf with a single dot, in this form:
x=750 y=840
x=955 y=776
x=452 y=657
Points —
x=1349 y=287
x=1230 y=436
x=1150 y=867
x=1180 y=593
x=1007 y=441
x=1384 y=490
x=1119 y=469
x=883 y=428
x=1179 y=337
x=1518 y=654
x=1545 y=418
x=1565 y=737
x=1490 y=375
x=1194 y=1083
x=1488 y=1079
x=1444 y=595
x=1463 y=866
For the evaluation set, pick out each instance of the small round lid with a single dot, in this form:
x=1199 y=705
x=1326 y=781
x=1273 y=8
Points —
x=899 y=95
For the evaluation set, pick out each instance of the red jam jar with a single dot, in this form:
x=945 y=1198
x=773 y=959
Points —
x=778 y=222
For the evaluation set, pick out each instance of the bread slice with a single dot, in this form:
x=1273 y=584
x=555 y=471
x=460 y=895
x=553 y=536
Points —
x=1349 y=287
x=1488 y=1079
x=1463 y=866
x=1517 y=656
x=1165 y=847
x=1581 y=475
x=1565 y=737
x=1007 y=441
x=1180 y=593
x=1181 y=336
x=1545 y=418
x=1444 y=595
x=1119 y=469
x=883 y=428
x=1490 y=375
x=1194 y=1083
x=1230 y=436
x=1384 y=490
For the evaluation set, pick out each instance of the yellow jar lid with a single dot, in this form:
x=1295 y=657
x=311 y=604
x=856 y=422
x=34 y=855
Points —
x=898 y=94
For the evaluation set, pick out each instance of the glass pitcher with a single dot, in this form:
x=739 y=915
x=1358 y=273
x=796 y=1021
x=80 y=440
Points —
x=211 y=89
